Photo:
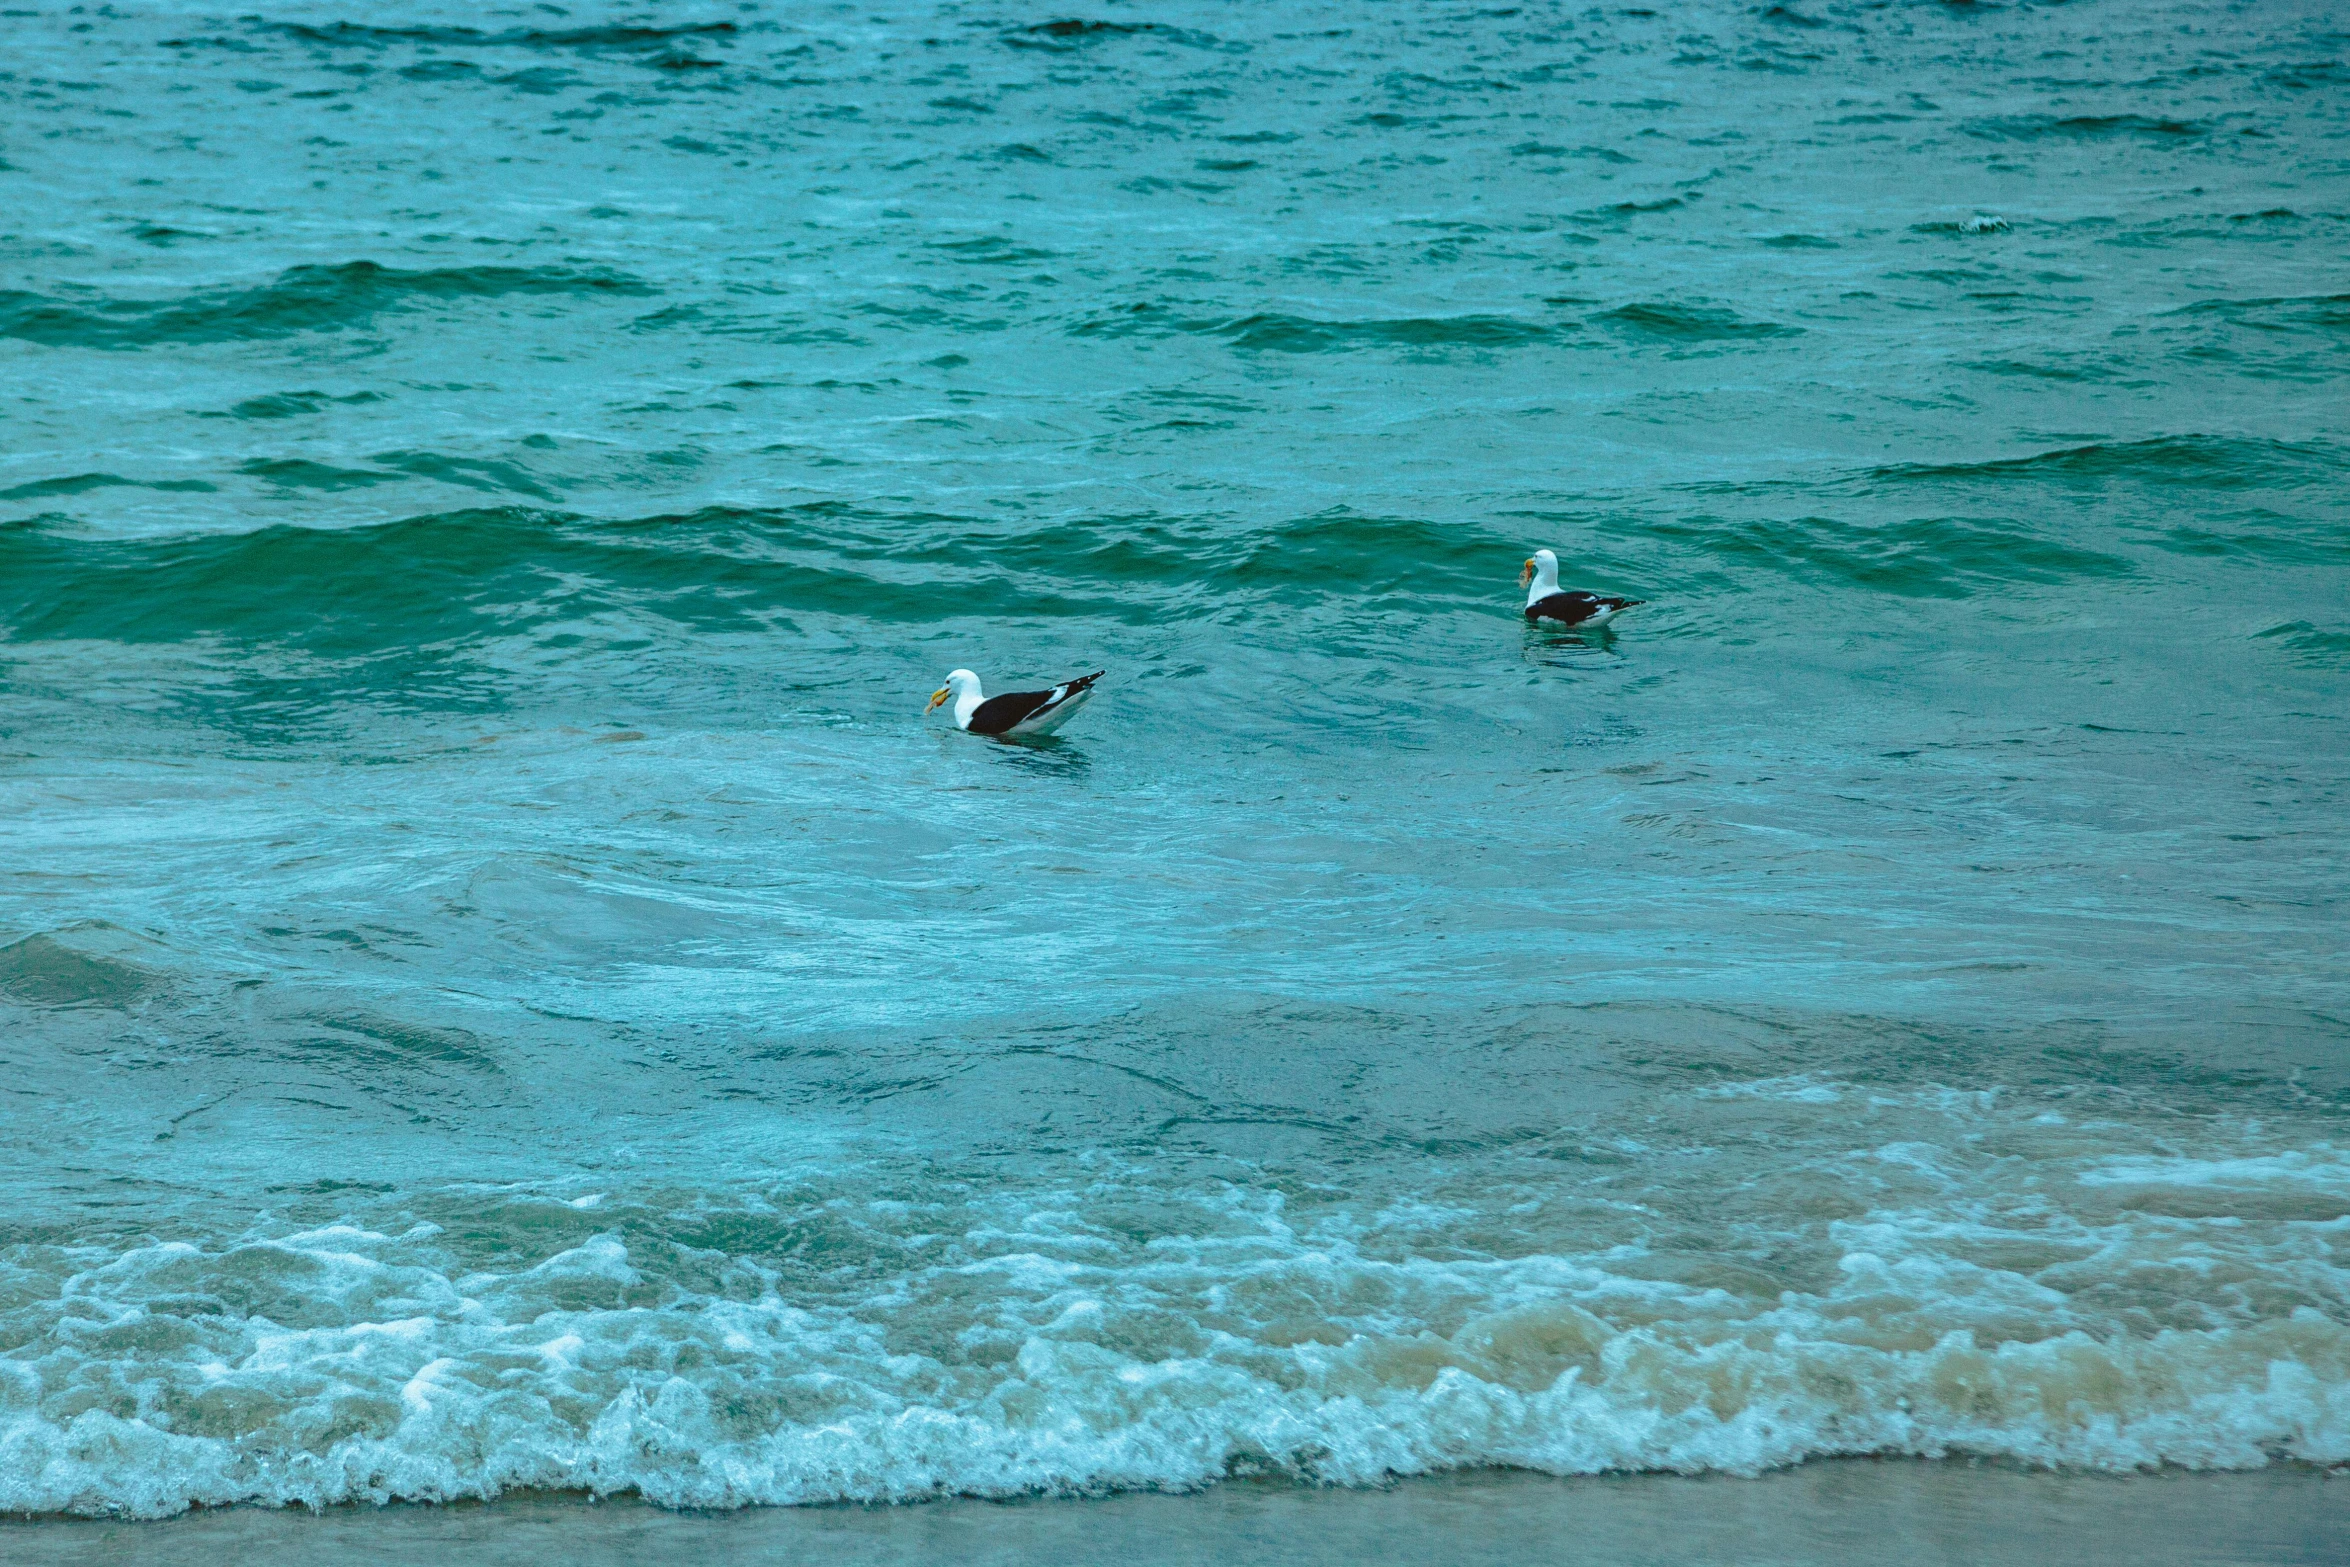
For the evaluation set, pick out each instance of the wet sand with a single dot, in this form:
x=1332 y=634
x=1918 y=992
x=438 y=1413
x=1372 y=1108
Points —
x=1821 y=1515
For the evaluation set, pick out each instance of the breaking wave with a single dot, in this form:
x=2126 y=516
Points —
x=825 y=1347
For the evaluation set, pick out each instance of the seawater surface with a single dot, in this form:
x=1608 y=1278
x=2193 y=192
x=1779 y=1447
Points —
x=501 y=987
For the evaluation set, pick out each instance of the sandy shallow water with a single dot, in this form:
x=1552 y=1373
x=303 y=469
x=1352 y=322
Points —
x=1820 y=1515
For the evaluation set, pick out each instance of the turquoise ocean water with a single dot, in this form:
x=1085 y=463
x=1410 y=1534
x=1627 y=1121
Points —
x=500 y=985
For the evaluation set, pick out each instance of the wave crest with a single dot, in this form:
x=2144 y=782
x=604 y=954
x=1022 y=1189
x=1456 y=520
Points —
x=323 y=1369
x=302 y=299
x=1922 y=557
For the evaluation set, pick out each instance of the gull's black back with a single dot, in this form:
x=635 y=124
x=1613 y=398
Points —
x=1574 y=606
x=998 y=714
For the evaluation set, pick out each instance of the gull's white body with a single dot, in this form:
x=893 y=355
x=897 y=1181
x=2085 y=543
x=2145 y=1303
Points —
x=968 y=696
x=1546 y=578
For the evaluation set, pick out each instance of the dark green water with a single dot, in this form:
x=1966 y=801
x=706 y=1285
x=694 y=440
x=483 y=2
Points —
x=500 y=985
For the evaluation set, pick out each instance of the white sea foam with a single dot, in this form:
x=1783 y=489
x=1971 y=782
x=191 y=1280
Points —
x=2321 y=1168
x=1801 y=1089
x=1171 y=1365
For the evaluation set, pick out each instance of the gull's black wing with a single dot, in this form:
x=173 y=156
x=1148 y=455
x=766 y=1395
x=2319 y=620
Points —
x=1001 y=714
x=1573 y=607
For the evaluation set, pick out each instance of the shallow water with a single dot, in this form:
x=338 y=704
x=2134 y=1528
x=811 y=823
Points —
x=501 y=986
x=1847 y=1514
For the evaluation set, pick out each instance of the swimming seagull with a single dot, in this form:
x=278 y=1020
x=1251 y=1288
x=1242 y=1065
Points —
x=1015 y=714
x=1544 y=601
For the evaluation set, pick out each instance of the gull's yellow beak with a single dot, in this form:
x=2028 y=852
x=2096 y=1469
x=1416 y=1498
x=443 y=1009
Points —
x=1527 y=575
x=936 y=697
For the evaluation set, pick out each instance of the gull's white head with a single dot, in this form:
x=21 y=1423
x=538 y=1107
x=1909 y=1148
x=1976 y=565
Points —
x=962 y=688
x=1541 y=576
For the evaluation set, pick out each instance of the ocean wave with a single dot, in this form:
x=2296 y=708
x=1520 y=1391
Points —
x=1070 y=34
x=2328 y=312
x=1977 y=223
x=41 y=970
x=1338 y=557
x=1275 y=332
x=2323 y=544
x=2214 y=462
x=2312 y=645
x=300 y=473
x=991 y=250
x=84 y=483
x=302 y=299
x=419 y=589
x=347 y=1364
x=1365 y=554
x=428 y=586
x=2076 y=371
x=469 y=473
x=376 y=36
x=1623 y=211
x=2085 y=127
x=430 y=583
x=1689 y=324
x=1921 y=557
x=1301 y=335
x=289 y=405
x=2304 y=75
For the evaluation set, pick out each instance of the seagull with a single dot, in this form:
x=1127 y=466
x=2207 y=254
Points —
x=1016 y=714
x=1544 y=601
